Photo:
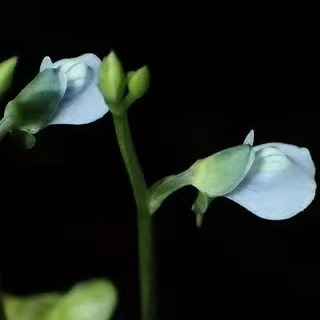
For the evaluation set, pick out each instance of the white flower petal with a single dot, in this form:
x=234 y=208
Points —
x=46 y=64
x=84 y=108
x=277 y=187
x=90 y=59
x=77 y=72
x=299 y=155
x=249 y=138
x=79 y=76
x=66 y=66
x=63 y=83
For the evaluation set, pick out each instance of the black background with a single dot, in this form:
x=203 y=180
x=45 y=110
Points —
x=67 y=211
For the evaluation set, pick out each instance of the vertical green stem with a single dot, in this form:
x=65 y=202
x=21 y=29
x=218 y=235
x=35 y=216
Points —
x=5 y=127
x=146 y=260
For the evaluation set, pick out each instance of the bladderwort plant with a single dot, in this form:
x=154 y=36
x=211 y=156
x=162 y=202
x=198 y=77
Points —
x=274 y=181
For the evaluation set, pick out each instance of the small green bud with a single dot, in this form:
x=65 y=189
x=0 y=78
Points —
x=220 y=173
x=138 y=82
x=35 y=105
x=129 y=75
x=6 y=74
x=201 y=203
x=34 y=307
x=112 y=79
x=94 y=299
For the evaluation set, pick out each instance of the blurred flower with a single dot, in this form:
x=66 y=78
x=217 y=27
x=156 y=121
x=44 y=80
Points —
x=91 y=299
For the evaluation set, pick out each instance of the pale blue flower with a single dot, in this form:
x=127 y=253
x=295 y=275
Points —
x=280 y=182
x=274 y=181
x=82 y=101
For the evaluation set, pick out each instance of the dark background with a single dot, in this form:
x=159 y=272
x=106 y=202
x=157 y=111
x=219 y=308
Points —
x=67 y=211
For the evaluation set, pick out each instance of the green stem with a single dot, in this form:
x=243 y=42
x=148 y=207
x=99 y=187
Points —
x=145 y=236
x=165 y=187
x=5 y=126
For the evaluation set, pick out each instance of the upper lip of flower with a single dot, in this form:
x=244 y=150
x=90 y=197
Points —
x=78 y=105
x=74 y=71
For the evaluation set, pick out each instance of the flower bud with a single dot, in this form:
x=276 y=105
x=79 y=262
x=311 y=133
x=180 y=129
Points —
x=93 y=299
x=6 y=74
x=112 y=79
x=138 y=82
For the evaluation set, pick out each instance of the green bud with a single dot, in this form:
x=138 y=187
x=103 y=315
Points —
x=112 y=79
x=138 y=81
x=220 y=173
x=200 y=206
x=33 y=307
x=201 y=203
x=6 y=74
x=129 y=75
x=35 y=105
x=94 y=299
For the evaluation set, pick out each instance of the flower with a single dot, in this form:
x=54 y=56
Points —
x=64 y=92
x=277 y=181
x=82 y=101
